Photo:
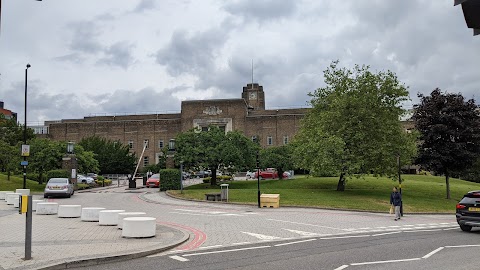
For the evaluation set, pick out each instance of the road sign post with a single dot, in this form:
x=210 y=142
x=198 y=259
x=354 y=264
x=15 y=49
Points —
x=26 y=208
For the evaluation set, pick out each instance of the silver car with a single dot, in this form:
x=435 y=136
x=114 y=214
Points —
x=58 y=187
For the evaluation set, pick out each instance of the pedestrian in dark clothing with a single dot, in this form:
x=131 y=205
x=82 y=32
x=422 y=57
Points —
x=396 y=201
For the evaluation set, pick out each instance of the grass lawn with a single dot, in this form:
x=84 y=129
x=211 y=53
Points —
x=17 y=182
x=420 y=193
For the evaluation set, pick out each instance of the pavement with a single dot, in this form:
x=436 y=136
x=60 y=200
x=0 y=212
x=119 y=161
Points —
x=59 y=243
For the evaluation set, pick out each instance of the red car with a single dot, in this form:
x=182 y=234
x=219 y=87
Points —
x=153 y=181
x=269 y=174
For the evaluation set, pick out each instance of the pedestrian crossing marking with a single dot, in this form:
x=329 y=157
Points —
x=302 y=233
x=263 y=236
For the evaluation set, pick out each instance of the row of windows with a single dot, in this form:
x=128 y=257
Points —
x=161 y=144
x=270 y=139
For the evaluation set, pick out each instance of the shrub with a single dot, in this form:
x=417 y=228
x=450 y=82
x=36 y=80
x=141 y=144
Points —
x=100 y=178
x=82 y=186
x=35 y=177
x=207 y=180
x=58 y=174
x=169 y=179
x=100 y=182
x=219 y=178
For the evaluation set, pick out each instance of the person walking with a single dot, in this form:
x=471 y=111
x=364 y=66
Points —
x=396 y=201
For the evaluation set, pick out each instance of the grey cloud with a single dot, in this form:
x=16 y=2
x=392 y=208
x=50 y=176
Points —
x=144 y=5
x=85 y=36
x=193 y=54
x=261 y=10
x=119 y=54
x=72 y=57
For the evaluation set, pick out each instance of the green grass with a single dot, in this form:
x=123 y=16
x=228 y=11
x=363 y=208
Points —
x=17 y=182
x=420 y=193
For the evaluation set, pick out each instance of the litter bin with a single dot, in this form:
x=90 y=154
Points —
x=224 y=192
x=144 y=180
x=132 y=183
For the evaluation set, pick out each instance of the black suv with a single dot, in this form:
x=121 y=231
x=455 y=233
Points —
x=468 y=211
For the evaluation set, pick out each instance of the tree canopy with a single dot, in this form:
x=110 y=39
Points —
x=354 y=126
x=213 y=149
x=112 y=156
x=449 y=129
x=279 y=157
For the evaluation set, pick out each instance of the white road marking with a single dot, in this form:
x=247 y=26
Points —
x=178 y=258
x=341 y=267
x=366 y=228
x=224 y=251
x=390 y=261
x=393 y=226
x=251 y=213
x=210 y=246
x=450 y=229
x=385 y=233
x=302 y=233
x=262 y=236
x=435 y=230
x=342 y=237
x=431 y=253
x=238 y=215
x=462 y=246
x=296 y=242
x=240 y=243
x=306 y=224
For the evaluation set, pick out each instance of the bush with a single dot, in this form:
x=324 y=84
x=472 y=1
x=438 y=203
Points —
x=82 y=186
x=207 y=180
x=35 y=177
x=100 y=178
x=100 y=182
x=219 y=178
x=58 y=174
x=169 y=179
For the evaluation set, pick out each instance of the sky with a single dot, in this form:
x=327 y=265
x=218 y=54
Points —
x=107 y=57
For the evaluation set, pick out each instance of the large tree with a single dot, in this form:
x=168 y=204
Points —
x=9 y=158
x=112 y=156
x=11 y=132
x=279 y=157
x=213 y=149
x=450 y=133
x=354 y=125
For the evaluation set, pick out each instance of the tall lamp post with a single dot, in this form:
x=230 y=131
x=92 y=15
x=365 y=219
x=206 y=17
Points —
x=25 y=130
x=400 y=183
x=258 y=179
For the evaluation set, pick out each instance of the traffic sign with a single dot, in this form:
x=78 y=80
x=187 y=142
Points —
x=25 y=150
x=23 y=163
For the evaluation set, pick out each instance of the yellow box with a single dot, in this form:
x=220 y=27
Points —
x=24 y=204
x=270 y=200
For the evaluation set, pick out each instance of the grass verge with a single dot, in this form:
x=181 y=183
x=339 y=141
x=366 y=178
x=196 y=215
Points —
x=17 y=182
x=421 y=194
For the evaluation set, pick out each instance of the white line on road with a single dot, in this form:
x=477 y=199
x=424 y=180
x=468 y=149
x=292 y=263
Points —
x=390 y=261
x=178 y=258
x=302 y=233
x=385 y=233
x=296 y=242
x=262 y=236
x=341 y=267
x=431 y=253
x=224 y=251
x=462 y=246
x=342 y=237
x=436 y=230
x=306 y=224
x=240 y=243
x=455 y=228
x=210 y=246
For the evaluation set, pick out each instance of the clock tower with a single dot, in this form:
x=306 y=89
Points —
x=254 y=96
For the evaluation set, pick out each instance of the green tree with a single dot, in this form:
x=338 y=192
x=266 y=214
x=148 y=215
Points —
x=11 y=132
x=354 y=127
x=112 y=156
x=213 y=149
x=45 y=155
x=9 y=158
x=279 y=158
x=450 y=133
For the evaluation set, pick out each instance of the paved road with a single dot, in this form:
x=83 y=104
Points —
x=444 y=249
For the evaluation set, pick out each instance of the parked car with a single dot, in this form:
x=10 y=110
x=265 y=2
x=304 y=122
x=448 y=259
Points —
x=202 y=174
x=270 y=173
x=185 y=175
x=250 y=175
x=153 y=181
x=92 y=175
x=468 y=211
x=85 y=179
x=58 y=187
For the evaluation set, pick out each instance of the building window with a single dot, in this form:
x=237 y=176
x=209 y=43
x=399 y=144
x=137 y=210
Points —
x=254 y=138
x=222 y=128
x=204 y=129
x=145 y=143
x=285 y=139
x=269 y=140
x=160 y=144
x=171 y=145
x=130 y=144
x=145 y=161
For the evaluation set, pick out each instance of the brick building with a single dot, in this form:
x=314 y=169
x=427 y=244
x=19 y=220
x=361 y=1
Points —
x=7 y=113
x=246 y=114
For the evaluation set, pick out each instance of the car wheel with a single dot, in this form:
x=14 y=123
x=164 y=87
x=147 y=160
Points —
x=69 y=195
x=45 y=196
x=466 y=228
x=148 y=186
x=73 y=192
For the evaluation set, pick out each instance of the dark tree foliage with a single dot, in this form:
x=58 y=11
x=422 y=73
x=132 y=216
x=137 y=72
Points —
x=449 y=129
x=112 y=156
x=279 y=157
x=11 y=132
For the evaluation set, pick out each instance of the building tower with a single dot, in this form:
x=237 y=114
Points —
x=254 y=96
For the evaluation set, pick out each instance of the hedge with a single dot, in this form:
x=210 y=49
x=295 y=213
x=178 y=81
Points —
x=169 y=179
x=219 y=178
x=100 y=182
x=58 y=174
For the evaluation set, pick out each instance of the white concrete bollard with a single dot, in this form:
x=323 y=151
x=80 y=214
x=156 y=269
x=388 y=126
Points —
x=47 y=208
x=91 y=213
x=34 y=204
x=139 y=227
x=123 y=215
x=3 y=195
x=16 y=203
x=109 y=217
x=25 y=191
x=69 y=211
x=12 y=197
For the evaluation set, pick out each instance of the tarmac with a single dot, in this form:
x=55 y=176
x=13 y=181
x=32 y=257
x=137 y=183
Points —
x=60 y=243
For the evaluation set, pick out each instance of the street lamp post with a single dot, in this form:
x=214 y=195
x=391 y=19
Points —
x=258 y=179
x=25 y=130
x=400 y=183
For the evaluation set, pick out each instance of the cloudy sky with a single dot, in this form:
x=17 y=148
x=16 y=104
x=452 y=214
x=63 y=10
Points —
x=132 y=56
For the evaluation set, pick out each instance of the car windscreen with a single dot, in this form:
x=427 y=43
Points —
x=155 y=176
x=468 y=200
x=57 y=181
